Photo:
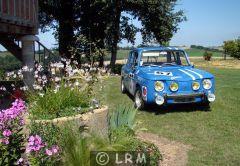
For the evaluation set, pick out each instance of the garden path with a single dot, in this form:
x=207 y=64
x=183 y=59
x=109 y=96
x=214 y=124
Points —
x=174 y=153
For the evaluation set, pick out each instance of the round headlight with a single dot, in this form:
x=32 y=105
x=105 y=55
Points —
x=207 y=84
x=159 y=86
x=195 y=85
x=174 y=86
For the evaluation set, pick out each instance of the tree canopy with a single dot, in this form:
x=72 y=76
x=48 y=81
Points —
x=104 y=24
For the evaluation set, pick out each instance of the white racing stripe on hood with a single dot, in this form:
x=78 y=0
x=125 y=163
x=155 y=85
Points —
x=190 y=75
x=195 y=73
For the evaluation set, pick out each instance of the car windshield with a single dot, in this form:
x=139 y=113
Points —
x=163 y=58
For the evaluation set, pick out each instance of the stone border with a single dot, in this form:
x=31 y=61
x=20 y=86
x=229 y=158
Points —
x=95 y=121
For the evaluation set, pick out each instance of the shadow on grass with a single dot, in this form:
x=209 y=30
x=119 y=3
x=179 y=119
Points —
x=175 y=108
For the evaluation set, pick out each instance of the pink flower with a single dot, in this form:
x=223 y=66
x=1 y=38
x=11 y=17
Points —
x=55 y=149
x=49 y=152
x=7 y=133
x=4 y=141
x=20 y=161
x=34 y=144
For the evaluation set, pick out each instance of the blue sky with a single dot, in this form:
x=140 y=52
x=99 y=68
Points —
x=209 y=23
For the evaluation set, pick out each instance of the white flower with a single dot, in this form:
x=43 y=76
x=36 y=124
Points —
x=57 y=79
x=41 y=94
x=76 y=83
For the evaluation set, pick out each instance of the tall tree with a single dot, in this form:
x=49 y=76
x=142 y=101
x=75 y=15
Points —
x=59 y=15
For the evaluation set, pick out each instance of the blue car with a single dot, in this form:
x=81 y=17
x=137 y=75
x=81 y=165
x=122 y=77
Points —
x=163 y=76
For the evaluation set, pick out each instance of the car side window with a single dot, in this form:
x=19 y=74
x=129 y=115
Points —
x=135 y=58
x=129 y=58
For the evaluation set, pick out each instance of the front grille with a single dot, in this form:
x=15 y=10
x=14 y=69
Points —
x=184 y=100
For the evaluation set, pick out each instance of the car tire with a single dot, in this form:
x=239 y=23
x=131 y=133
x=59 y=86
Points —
x=123 y=88
x=138 y=100
x=206 y=106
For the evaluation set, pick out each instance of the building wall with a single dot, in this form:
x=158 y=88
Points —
x=20 y=14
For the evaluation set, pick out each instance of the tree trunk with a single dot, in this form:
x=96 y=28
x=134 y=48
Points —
x=115 y=31
x=66 y=30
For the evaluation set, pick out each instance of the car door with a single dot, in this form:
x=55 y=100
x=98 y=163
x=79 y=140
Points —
x=126 y=71
x=131 y=73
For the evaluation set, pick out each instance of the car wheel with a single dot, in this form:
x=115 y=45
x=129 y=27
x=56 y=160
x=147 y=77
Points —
x=123 y=88
x=138 y=101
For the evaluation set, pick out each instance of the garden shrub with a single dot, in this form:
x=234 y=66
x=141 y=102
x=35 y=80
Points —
x=207 y=56
x=117 y=69
x=65 y=101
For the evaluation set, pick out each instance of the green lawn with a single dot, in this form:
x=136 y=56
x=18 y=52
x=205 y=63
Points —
x=214 y=135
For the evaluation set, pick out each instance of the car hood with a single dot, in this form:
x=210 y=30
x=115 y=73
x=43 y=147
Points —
x=177 y=73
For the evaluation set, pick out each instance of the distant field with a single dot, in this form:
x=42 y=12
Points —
x=4 y=54
x=199 y=52
x=192 y=52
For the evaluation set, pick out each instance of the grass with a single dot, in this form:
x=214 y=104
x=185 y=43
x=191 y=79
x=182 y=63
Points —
x=214 y=136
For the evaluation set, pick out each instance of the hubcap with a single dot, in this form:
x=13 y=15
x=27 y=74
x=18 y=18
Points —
x=138 y=101
x=122 y=86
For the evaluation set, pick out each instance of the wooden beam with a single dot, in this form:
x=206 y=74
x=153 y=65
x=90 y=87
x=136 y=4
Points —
x=12 y=29
x=12 y=47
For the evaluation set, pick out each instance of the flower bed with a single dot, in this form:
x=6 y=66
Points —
x=15 y=148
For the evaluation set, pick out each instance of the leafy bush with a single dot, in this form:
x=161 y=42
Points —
x=232 y=48
x=57 y=103
x=207 y=56
x=117 y=69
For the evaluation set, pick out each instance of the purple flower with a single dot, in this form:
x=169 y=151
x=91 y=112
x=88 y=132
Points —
x=34 y=144
x=7 y=133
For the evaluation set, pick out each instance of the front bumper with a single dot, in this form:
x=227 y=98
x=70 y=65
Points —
x=184 y=98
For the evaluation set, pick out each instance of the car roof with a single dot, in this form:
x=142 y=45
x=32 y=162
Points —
x=159 y=48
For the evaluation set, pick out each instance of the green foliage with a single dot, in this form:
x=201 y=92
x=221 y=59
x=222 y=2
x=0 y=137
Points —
x=117 y=69
x=122 y=117
x=232 y=48
x=102 y=23
x=77 y=146
x=10 y=153
x=49 y=133
x=207 y=56
x=2 y=74
x=8 y=62
x=63 y=102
